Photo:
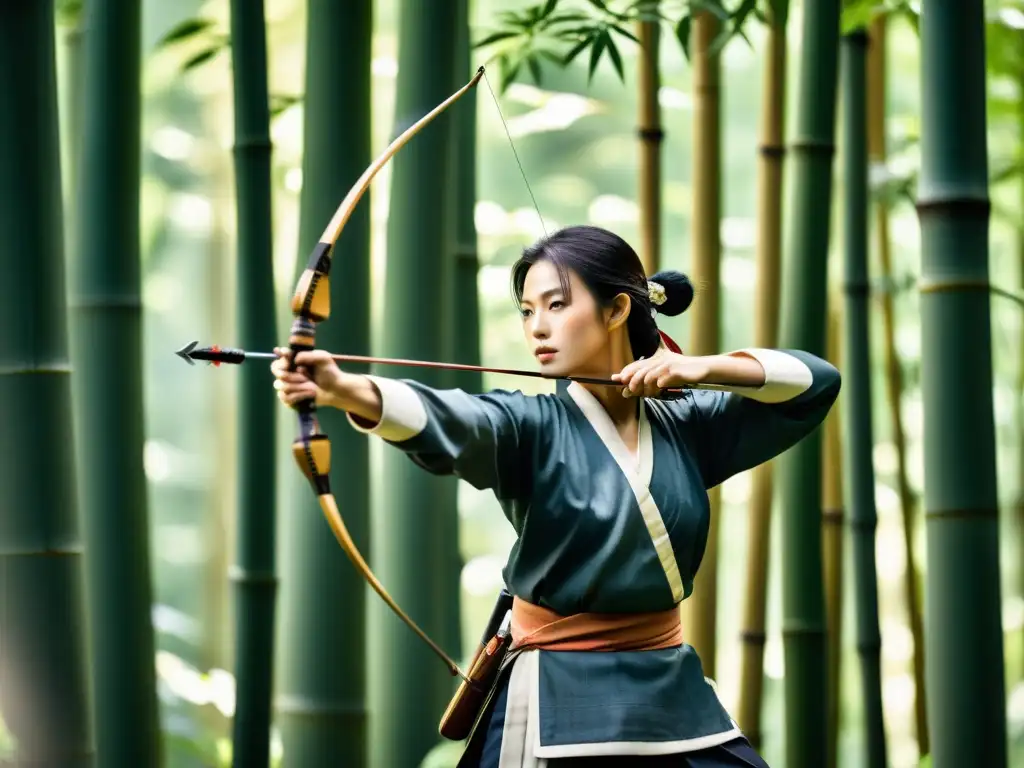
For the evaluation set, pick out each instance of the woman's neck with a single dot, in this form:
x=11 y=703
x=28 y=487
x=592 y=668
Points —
x=618 y=356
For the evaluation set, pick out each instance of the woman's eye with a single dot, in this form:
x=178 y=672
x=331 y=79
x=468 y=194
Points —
x=524 y=312
x=557 y=304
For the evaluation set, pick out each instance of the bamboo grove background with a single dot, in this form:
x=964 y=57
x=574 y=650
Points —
x=166 y=167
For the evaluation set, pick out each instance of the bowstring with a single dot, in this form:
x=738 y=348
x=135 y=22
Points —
x=519 y=162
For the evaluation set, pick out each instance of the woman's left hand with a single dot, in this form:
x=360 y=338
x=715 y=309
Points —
x=664 y=370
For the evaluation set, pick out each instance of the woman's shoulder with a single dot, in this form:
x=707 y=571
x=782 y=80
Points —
x=533 y=405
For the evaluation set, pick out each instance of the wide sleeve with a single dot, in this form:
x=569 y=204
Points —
x=737 y=428
x=484 y=439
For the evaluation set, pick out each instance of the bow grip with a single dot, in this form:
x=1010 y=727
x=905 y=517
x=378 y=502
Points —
x=311 y=449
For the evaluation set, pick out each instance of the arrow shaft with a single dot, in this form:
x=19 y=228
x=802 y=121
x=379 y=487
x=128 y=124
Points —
x=233 y=356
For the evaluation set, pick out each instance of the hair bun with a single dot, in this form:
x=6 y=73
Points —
x=678 y=292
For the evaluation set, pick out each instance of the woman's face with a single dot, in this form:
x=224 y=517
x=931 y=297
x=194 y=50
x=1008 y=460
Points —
x=567 y=336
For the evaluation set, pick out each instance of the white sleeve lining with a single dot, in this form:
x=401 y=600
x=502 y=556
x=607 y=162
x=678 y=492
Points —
x=402 y=413
x=785 y=377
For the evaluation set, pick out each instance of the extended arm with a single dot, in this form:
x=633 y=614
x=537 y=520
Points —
x=751 y=419
x=480 y=438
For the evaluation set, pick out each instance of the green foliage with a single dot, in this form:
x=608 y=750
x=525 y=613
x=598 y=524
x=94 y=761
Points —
x=549 y=32
x=204 y=41
x=68 y=12
x=192 y=33
x=860 y=13
x=1004 y=53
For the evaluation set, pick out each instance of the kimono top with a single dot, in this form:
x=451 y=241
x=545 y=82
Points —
x=599 y=531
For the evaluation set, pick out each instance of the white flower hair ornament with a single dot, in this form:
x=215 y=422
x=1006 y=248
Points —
x=656 y=293
x=670 y=293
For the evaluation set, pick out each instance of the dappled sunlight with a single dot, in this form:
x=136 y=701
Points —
x=216 y=687
x=481 y=576
x=557 y=113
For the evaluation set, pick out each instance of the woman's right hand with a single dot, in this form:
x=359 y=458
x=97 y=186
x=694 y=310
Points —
x=316 y=376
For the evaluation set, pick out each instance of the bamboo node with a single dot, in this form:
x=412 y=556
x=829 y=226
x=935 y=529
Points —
x=959 y=513
x=241 y=575
x=753 y=637
x=650 y=134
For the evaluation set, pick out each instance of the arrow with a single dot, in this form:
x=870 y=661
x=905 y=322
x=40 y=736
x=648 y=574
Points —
x=217 y=355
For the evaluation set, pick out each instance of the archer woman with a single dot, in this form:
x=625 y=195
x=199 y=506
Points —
x=606 y=489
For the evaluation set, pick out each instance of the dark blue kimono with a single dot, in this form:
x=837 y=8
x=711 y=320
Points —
x=601 y=528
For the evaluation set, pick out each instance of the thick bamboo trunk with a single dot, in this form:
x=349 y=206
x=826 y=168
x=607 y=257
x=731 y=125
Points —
x=833 y=521
x=44 y=679
x=803 y=327
x=964 y=642
x=860 y=473
x=71 y=120
x=321 y=702
x=1019 y=502
x=463 y=311
x=894 y=377
x=699 y=622
x=766 y=313
x=411 y=539
x=110 y=431
x=254 y=573
x=650 y=133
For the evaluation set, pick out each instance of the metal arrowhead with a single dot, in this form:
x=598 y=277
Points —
x=185 y=353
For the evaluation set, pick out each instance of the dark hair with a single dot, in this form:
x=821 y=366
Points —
x=608 y=266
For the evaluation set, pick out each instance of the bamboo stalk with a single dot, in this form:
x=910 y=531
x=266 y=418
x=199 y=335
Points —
x=110 y=429
x=321 y=708
x=768 y=261
x=1019 y=502
x=894 y=377
x=860 y=473
x=464 y=330
x=44 y=666
x=409 y=537
x=254 y=573
x=804 y=630
x=700 y=608
x=964 y=642
x=833 y=520
x=651 y=135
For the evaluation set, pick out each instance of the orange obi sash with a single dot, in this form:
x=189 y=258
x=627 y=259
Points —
x=537 y=627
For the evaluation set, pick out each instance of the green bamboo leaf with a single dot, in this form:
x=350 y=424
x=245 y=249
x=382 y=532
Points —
x=683 y=34
x=780 y=12
x=595 y=53
x=279 y=102
x=616 y=57
x=1007 y=173
x=549 y=7
x=201 y=58
x=909 y=13
x=186 y=30
x=714 y=7
x=515 y=21
x=625 y=33
x=566 y=18
x=603 y=7
x=509 y=70
x=534 y=66
x=495 y=38
x=721 y=39
x=575 y=33
x=741 y=13
x=577 y=49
